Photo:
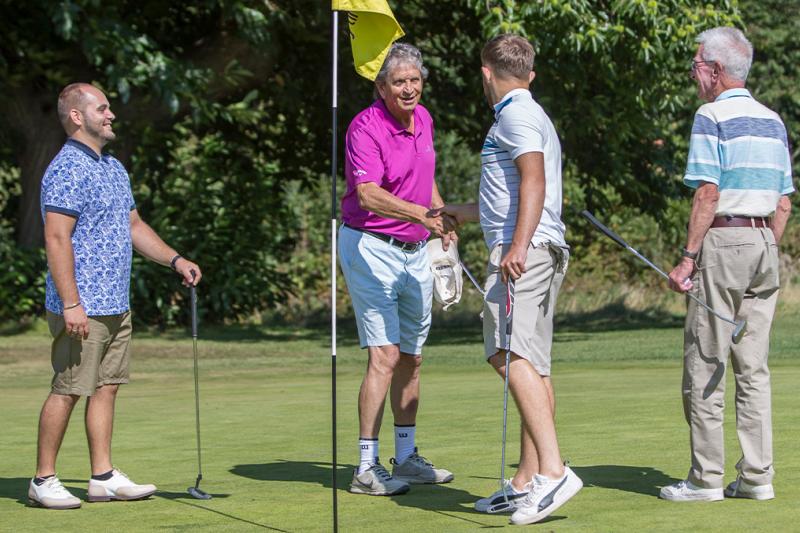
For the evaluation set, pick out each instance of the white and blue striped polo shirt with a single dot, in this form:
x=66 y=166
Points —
x=521 y=126
x=741 y=146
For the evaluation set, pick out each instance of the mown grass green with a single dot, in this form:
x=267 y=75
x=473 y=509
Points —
x=266 y=433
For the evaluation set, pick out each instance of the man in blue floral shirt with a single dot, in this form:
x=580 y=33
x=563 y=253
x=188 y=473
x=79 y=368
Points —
x=91 y=227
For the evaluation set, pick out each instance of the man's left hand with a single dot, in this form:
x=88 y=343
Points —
x=680 y=279
x=186 y=268
x=447 y=238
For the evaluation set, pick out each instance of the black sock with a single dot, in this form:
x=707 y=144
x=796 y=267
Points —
x=39 y=480
x=104 y=477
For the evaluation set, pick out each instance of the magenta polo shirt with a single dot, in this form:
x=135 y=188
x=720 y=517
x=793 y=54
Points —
x=379 y=149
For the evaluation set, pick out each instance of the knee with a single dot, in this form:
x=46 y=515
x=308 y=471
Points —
x=409 y=362
x=107 y=390
x=384 y=361
x=498 y=362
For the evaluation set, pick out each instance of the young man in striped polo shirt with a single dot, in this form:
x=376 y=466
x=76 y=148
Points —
x=520 y=213
x=740 y=166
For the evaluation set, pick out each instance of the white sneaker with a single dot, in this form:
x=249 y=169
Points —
x=741 y=489
x=52 y=495
x=686 y=491
x=498 y=501
x=546 y=496
x=119 y=487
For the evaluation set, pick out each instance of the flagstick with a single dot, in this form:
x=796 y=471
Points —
x=335 y=88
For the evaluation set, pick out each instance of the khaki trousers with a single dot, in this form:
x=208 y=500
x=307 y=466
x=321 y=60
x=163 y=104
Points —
x=737 y=275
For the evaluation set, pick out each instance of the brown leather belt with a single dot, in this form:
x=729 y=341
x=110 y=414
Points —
x=736 y=221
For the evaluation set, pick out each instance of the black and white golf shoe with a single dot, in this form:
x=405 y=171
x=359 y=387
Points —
x=546 y=496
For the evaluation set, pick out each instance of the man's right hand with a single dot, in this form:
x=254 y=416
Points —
x=77 y=322
x=435 y=222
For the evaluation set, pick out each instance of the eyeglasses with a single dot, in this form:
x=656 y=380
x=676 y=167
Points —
x=695 y=64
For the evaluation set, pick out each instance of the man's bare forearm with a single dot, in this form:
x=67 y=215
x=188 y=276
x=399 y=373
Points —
x=782 y=212
x=147 y=242
x=383 y=203
x=704 y=208
x=61 y=260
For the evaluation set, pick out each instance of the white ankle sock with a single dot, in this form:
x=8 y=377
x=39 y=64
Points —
x=403 y=442
x=369 y=453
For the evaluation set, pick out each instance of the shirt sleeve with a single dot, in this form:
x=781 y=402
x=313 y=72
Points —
x=787 y=187
x=62 y=192
x=703 y=164
x=519 y=134
x=363 y=162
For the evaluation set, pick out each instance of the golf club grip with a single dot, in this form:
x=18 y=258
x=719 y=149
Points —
x=599 y=225
x=193 y=298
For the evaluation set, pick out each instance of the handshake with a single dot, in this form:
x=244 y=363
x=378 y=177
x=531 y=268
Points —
x=444 y=221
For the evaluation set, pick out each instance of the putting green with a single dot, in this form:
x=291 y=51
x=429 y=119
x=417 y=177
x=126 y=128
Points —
x=265 y=401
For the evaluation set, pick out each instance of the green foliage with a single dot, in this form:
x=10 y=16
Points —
x=21 y=279
x=614 y=77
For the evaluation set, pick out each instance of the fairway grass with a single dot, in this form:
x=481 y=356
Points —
x=265 y=405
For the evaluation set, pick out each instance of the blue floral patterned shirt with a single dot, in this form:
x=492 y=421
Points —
x=96 y=190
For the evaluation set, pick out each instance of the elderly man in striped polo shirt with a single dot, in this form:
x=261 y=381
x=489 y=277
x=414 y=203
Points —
x=740 y=166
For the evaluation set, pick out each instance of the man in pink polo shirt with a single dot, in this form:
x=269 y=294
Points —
x=388 y=214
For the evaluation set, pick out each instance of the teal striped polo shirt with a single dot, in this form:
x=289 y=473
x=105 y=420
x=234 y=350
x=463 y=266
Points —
x=741 y=146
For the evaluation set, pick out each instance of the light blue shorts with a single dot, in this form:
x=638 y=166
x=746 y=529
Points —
x=391 y=290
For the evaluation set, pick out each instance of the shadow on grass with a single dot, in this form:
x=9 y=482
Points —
x=179 y=497
x=639 y=479
x=441 y=499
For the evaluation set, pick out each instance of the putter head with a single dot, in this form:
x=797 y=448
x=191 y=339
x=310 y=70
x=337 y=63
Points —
x=502 y=507
x=198 y=494
x=738 y=331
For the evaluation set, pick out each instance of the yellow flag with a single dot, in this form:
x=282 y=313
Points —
x=373 y=29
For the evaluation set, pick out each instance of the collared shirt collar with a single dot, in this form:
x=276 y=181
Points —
x=394 y=125
x=83 y=148
x=507 y=99
x=732 y=93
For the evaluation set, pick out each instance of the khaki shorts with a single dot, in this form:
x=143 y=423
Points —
x=535 y=294
x=81 y=366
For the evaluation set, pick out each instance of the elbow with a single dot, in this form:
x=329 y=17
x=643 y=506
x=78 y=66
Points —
x=364 y=198
x=708 y=195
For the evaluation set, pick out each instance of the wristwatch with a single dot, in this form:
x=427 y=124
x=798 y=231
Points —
x=687 y=253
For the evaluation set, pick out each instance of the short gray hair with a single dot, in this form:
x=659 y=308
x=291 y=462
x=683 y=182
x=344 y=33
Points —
x=399 y=54
x=728 y=47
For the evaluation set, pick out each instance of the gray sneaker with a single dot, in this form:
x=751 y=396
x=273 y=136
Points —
x=377 y=482
x=417 y=469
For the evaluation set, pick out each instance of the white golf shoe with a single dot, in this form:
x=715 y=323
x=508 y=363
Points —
x=686 y=491
x=52 y=495
x=546 y=496
x=118 y=487
x=742 y=489
x=497 y=501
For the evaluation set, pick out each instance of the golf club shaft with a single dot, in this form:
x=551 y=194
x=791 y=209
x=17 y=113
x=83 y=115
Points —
x=619 y=240
x=472 y=279
x=193 y=297
x=509 y=320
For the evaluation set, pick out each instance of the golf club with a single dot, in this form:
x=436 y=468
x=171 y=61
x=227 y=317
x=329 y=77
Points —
x=505 y=505
x=472 y=279
x=196 y=492
x=739 y=327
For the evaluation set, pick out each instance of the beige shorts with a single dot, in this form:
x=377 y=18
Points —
x=81 y=366
x=535 y=294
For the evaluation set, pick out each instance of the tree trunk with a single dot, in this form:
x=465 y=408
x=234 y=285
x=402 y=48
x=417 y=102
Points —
x=34 y=119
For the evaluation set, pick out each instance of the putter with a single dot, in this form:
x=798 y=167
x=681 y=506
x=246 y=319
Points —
x=739 y=327
x=196 y=492
x=506 y=504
